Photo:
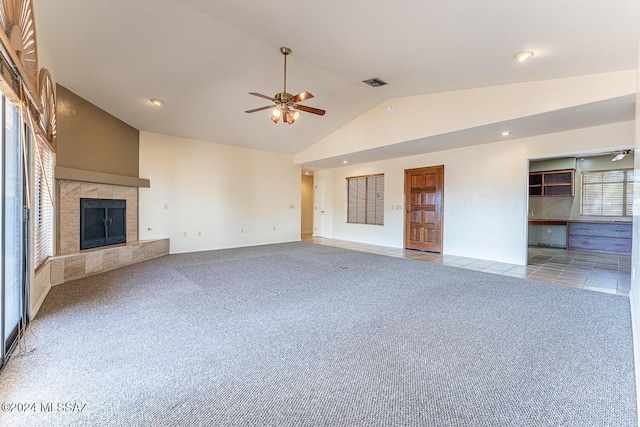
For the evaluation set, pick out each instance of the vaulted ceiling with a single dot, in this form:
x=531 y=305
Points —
x=203 y=57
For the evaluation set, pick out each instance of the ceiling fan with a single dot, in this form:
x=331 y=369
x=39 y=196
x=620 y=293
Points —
x=286 y=105
x=621 y=155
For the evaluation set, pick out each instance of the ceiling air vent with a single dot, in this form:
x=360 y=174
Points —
x=375 y=82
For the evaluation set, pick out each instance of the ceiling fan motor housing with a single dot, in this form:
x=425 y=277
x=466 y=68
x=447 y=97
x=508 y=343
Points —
x=282 y=97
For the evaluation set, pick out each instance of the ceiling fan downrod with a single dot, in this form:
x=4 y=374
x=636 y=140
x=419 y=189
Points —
x=285 y=51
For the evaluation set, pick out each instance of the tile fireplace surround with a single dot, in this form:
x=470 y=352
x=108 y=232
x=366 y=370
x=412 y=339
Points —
x=70 y=263
x=70 y=194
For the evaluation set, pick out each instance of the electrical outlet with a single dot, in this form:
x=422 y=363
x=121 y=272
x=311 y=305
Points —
x=184 y=234
x=274 y=228
x=242 y=231
x=199 y=233
x=166 y=205
x=291 y=207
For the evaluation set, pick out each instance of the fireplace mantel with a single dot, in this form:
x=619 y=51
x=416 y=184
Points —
x=70 y=174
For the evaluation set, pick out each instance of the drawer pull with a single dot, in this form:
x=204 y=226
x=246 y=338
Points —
x=584 y=243
x=621 y=231
x=583 y=229
x=619 y=244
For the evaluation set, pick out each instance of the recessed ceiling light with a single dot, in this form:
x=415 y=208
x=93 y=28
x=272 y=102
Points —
x=156 y=101
x=523 y=55
x=390 y=109
x=505 y=133
x=344 y=161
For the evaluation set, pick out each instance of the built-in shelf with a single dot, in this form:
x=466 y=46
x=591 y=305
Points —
x=558 y=183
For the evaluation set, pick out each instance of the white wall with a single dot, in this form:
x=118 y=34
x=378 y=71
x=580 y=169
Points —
x=233 y=196
x=485 y=191
x=465 y=109
x=634 y=295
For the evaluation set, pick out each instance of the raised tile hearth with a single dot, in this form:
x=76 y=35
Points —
x=85 y=263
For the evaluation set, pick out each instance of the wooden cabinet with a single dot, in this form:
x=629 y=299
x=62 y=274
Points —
x=552 y=183
x=603 y=237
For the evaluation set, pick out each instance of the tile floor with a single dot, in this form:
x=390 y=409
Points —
x=595 y=272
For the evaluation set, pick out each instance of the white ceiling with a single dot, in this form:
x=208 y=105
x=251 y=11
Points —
x=203 y=57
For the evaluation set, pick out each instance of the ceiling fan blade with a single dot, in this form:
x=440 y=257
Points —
x=310 y=109
x=301 y=97
x=259 y=95
x=260 y=109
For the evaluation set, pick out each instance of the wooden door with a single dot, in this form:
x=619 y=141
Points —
x=423 y=194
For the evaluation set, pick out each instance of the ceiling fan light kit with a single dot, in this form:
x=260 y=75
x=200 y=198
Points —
x=286 y=105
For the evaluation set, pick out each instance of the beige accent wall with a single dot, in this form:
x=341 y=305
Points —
x=93 y=140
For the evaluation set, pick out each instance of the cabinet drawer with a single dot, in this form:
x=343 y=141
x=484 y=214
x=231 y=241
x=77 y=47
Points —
x=622 y=230
x=600 y=244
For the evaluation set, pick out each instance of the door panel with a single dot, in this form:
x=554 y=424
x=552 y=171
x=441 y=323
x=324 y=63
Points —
x=424 y=191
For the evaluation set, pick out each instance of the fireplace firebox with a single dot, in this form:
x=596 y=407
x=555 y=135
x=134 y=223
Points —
x=103 y=222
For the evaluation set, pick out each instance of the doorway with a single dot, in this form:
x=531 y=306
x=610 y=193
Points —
x=423 y=195
x=319 y=209
x=306 y=206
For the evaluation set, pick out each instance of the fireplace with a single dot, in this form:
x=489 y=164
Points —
x=103 y=222
x=70 y=193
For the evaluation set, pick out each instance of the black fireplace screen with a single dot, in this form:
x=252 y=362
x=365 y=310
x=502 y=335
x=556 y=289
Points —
x=102 y=222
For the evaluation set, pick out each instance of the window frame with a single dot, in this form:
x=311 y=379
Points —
x=626 y=198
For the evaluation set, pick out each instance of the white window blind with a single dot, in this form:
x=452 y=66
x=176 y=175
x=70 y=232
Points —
x=607 y=193
x=365 y=200
x=43 y=182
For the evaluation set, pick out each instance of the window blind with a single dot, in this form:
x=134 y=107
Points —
x=607 y=193
x=43 y=221
x=365 y=200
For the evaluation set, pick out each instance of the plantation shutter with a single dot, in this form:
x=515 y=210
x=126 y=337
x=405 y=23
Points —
x=43 y=221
